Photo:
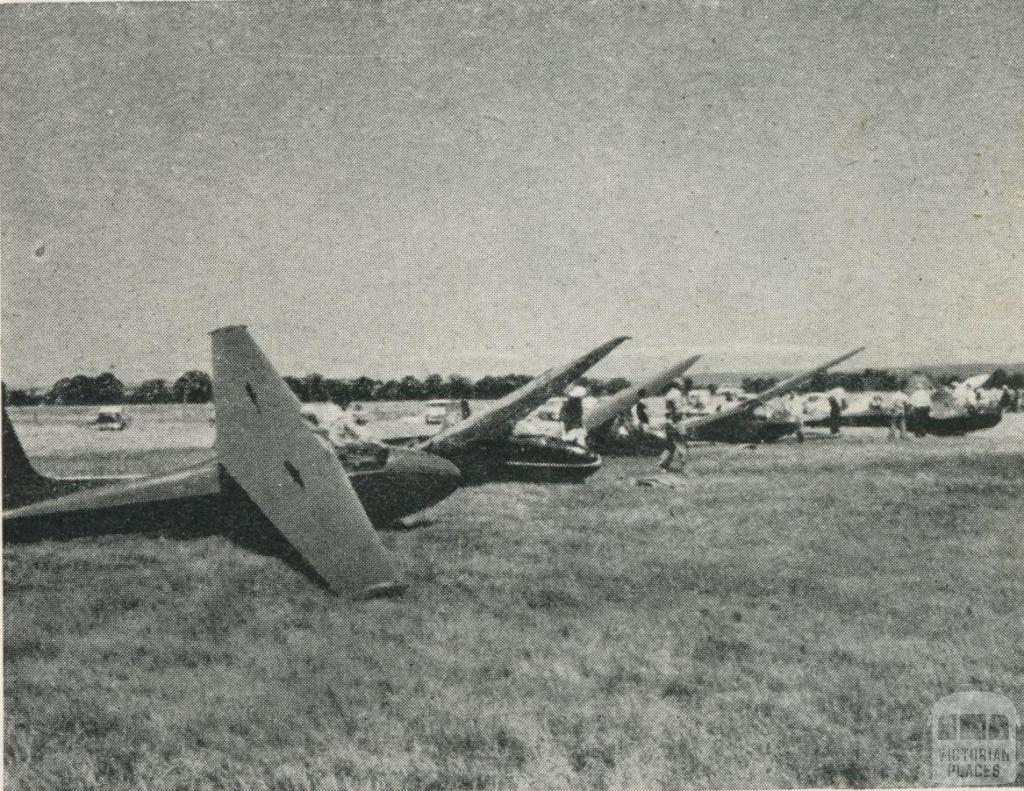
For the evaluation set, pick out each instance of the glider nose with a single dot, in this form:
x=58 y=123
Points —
x=445 y=477
x=428 y=478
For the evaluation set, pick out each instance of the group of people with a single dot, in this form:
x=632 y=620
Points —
x=906 y=413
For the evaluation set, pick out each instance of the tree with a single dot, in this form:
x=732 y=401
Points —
x=108 y=389
x=296 y=385
x=757 y=384
x=18 y=397
x=434 y=386
x=193 y=387
x=153 y=391
x=81 y=389
x=498 y=386
x=410 y=389
x=459 y=387
x=315 y=388
x=338 y=391
x=68 y=390
x=879 y=379
x=363 y=388
x=388 y=391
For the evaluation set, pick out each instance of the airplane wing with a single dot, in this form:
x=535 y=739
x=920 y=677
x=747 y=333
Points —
x=781 y=388
x=297 y=482
x=499 y=421
x=610 y=409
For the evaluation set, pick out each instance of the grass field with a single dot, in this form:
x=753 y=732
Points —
x=778 y=618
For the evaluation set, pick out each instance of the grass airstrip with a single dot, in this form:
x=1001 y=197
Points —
x=783 y=617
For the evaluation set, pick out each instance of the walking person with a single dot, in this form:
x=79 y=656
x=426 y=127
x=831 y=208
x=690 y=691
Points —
x=673 y=438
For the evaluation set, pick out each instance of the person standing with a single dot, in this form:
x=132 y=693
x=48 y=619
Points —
x=572 y=417
x=795 y=411
x=641 y=418
x=674 y=397
x=920 y=409
x=897 y=416
x=835 y=413
x=466 y=411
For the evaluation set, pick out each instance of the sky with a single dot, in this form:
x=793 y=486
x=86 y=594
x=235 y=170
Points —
x=388 y=188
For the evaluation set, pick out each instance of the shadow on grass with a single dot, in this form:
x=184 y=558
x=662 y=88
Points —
x=230 y=514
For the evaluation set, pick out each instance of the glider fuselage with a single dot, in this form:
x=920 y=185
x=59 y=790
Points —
x=408 y=481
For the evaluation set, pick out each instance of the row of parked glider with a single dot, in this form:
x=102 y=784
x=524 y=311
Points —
x=272 y=476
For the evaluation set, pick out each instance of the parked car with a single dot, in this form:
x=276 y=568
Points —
x=111 y=419
x=437 y=411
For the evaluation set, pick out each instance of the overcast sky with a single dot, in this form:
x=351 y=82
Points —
x=462 y=188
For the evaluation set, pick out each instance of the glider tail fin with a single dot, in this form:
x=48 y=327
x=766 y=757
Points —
x=21 y=483
x=296 y=481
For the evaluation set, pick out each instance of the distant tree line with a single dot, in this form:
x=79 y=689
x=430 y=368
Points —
x=314 y=387
x=192 y=387
x=195 y=387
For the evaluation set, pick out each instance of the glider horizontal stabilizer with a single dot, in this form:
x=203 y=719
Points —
x=296 y=480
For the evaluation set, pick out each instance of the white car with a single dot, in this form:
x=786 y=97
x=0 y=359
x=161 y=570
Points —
x=437 y=411
x=111 y=419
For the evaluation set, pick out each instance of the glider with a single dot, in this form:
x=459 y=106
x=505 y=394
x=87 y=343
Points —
x=946 y=412
x=483 y=446
x=600 y=422
x=740 y=425
x=270 y=472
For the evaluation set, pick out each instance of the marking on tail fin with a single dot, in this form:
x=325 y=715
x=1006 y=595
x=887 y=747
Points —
x=296 y=475
x=252 y=397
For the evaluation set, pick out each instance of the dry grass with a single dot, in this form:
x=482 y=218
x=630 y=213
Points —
x=779 y=618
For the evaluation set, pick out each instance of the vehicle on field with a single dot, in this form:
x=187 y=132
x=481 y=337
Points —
x=436 y=413
x=111 y=419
